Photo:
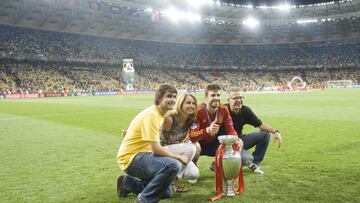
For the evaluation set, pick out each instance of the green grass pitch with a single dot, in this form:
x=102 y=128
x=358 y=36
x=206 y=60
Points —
x=64 y=149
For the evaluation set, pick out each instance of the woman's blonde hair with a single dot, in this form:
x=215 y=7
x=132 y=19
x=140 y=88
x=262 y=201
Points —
x=180 y=101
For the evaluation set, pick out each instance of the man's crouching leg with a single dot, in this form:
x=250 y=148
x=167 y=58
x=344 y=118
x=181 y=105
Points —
x=164 y=173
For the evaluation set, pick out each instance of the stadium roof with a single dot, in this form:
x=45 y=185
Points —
x=275 y=2
x=218 y=23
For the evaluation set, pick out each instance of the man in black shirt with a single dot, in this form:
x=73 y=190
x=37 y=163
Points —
x=242 y=115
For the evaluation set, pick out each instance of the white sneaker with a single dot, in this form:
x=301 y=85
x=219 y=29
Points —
x=192 y=181
x=256 y=169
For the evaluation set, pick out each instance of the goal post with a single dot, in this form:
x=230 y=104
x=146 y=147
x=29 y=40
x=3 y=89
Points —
x=339 y=83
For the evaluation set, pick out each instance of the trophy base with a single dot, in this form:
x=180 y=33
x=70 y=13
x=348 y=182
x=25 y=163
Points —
x=229 y=191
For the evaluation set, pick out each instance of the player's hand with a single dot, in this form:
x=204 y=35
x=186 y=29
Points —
x=123 y=132
x=278 y=139
x=239 y=145
x=213 y=129
x=183 y=159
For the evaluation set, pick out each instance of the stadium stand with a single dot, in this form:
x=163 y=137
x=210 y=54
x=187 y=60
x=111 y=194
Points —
x=82 y=61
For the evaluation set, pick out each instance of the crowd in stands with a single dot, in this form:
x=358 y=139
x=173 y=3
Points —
x=55 y=46
x=42 y=61
x=49 y=77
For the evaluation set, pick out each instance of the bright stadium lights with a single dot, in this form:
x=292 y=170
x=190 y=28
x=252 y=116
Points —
x=210 y=20
x=199 y=3
x=250 y=6
x=148 y=10
x=326 y=19
x=172 y=14
x=220 y=22
x=263 y=7
x=306 y=21
x=283 y=7
x=176 y=16
x=192 y=17
x=194 y=4
x=250 y=22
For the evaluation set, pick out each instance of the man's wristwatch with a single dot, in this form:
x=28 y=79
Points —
x=276 y=131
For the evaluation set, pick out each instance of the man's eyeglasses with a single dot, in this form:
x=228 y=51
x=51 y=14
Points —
x=238 y=98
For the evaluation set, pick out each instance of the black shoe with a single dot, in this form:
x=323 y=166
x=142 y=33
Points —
x=212 y=166
x=121 y=191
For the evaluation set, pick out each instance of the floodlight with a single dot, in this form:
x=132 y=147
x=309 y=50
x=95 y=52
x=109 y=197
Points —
x=149 y=10
x=263 y=7
x=194 y=4
x=306 y=21
x=220 y=22
x=175 y=15
x=250 y=6
x=325 y=19
x=192 y=17
x=251 y=22
x=172 y=14
x=283 y=7
x=198 y=3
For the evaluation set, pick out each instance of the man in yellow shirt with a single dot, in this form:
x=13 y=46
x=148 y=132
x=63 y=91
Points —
x=149 y=168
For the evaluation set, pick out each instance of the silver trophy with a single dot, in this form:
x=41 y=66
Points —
x=231 y=163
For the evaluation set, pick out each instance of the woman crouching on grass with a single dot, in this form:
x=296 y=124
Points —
x=174 y=133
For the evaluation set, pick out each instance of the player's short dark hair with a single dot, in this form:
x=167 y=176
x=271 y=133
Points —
x=212 y=87
x=162 y=90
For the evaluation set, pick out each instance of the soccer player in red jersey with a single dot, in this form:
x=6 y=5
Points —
x=211 y=116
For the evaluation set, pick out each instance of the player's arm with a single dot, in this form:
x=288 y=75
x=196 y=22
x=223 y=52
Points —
x=228 y=123
x=159 y=150
x=167 y=125
x=197 y=134
x=150 y=129
x=123 y=132
x=266 y=127
x=277 y=136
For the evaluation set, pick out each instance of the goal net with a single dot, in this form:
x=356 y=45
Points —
x=339 y=83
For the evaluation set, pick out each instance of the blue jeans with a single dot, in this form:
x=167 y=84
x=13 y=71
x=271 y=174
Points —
x=150 y=176
x=258 y=139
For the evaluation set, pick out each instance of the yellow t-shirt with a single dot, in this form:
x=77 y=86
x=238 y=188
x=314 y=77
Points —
x=144 y=128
